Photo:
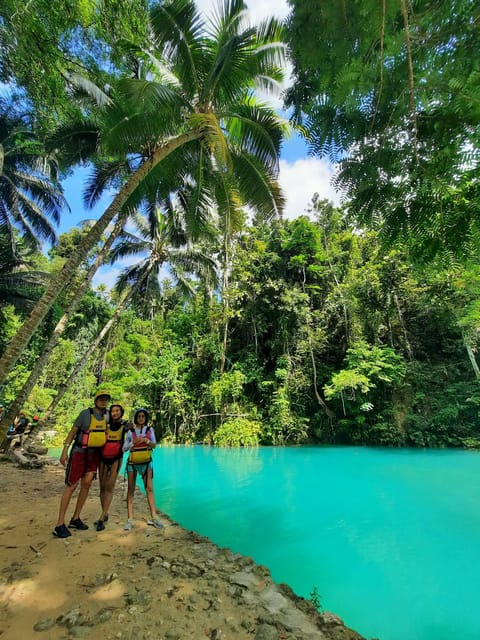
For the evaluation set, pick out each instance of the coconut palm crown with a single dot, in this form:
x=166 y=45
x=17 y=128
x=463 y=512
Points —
x=30 y=194
x=159 y=240
x=188 y=116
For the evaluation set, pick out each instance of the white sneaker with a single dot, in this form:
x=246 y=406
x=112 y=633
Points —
x=128 y=525
x=155 y=522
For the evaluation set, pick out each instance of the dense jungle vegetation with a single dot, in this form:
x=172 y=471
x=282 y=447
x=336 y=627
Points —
x=356 y=324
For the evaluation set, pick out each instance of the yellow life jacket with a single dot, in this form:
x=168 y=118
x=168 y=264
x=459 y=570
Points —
x=95 y=436
x=114 y=436
x=113 y=446
x=141 y=453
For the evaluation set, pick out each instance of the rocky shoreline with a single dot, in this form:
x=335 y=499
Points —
x=144 y=584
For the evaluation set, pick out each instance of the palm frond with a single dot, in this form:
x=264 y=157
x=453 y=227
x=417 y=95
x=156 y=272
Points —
x=129 y=245
x=255 y=129
x=43 y=192
x=76 y=142
x=196 y=199
x=89 y=88
x=257 y=186
x=178 y=27
x=104 y=175
x=229 y=202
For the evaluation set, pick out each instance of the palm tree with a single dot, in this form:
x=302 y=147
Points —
x=160 y=239
x=20 y=284
x=163 y=241
x=30 y=193
x=22 y=394
x=199 y=111
x=197 y=108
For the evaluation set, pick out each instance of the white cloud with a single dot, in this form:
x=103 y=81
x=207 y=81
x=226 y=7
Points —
x=301 y=179
x=257 y=9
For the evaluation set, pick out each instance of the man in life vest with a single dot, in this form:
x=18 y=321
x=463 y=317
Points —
x=88 y=435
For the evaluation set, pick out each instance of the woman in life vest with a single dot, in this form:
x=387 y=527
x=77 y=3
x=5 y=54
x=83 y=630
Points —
x=111 y=456
x=140 y=442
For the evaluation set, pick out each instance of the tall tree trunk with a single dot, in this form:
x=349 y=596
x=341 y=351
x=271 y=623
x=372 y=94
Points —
x=21 y=339
x=339 y=288
x=471 y=356
x=82 y=361
x=404 y=328
x=411 y=82
x=22 y=395
x=308 y=326
x=225 y=306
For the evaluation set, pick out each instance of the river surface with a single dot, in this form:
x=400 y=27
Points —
x=390 y=539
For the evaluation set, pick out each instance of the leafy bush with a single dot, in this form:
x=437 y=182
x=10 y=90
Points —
x=238 y=432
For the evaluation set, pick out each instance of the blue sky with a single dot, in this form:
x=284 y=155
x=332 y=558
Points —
x=300 y=176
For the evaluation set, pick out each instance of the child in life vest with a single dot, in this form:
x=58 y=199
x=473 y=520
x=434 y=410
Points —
x=140 y=442
x=111 y=455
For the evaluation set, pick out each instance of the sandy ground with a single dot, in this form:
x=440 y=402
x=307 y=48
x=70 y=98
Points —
x=147 y=583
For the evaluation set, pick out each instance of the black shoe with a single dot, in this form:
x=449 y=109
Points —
x=61 y=532
x=99 y=526
x=78 y=524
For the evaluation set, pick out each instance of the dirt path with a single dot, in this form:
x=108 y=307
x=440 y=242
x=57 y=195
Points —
x=143 y=584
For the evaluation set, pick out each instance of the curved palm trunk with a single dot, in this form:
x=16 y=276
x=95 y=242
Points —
x=471 y=355
x=226 y=312
x=21 y=339
x=22 y=395
x=81 y=362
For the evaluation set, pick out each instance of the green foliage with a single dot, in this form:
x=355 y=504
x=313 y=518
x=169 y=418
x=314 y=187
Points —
x=42 y=44
x=227 y=389
x=330 y=339
x=316 y=599
x=392 y=95
x=238 y=432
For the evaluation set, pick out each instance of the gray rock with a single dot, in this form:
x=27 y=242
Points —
x=138 y=597
x=329 y=618
x=79 y=632
x=244 y=579
x=102 y=616
x=44 y=624
x=273 y=600
x=71 y=619
x=266 y=632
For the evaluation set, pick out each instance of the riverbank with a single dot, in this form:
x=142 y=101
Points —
x=143 y=584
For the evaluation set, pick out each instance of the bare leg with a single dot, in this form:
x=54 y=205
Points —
x=130 y=493
x=102 y=479
x=108 y=488
x=85 y=485
x=64 y=502
x=148 y=484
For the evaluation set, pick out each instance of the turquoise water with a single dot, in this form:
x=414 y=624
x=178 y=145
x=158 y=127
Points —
x=390 y=538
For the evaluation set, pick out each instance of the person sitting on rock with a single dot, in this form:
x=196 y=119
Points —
x=20 y=423
x=88 y=436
